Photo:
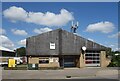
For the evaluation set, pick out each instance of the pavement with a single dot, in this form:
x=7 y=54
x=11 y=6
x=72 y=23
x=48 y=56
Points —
x=1 y=73
x=74 y=73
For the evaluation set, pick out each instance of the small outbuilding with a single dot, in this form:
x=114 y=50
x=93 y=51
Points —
x=59 y=48
x=5 y=54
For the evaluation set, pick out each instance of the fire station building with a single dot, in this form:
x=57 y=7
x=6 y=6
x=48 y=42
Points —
x=59 y=48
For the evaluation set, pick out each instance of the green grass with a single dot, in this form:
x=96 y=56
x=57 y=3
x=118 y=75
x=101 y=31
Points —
x=50 y=68
x=18 y=67
x=22 y=65
x=25 y=67
x=15 y=68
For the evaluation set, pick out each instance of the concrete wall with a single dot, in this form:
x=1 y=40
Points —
x=40 y=44
x=54 y=64
x=104 y=62
x=66 y=43
x=81 y=61
x=35 y=60
x=71 y=43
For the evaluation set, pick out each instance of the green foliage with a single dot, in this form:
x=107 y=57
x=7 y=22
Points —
x=115 y=62
x=21 y=51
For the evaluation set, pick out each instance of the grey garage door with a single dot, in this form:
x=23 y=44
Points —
x=69 y=61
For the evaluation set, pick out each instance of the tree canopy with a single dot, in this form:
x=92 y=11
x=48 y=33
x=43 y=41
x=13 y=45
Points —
x=21 y=51
x=115 y=62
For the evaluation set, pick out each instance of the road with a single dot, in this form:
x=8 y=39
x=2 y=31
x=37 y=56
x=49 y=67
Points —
x=75 y=73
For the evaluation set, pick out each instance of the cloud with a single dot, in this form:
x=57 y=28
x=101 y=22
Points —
x=6 y=42
x=104 y=27
x=116 y=49
x=15 y=14
x=114 y=35
x=40 y=18
x=42 y=30
x=111 y=45
x=19 y=32
x=22 y=42
x=2 y=31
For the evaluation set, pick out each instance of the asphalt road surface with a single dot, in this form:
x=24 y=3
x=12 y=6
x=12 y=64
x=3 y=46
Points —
x=74 y=73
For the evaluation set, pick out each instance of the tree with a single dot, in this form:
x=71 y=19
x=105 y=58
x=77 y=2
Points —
x=115 y=62
x=21 y=51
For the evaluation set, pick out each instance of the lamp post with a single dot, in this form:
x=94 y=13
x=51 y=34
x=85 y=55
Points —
x=84 y=49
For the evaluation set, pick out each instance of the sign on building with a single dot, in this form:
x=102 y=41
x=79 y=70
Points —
x=52 y=45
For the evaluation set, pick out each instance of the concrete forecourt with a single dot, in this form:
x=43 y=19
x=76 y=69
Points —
x=74 y=73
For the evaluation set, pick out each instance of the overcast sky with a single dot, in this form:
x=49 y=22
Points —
x=97 y=21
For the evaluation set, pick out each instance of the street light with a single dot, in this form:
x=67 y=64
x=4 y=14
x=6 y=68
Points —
x=84 y=49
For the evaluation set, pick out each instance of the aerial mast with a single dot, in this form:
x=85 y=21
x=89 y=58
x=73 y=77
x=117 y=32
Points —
x=74 y=27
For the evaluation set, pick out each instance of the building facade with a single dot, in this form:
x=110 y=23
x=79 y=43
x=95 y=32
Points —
x=59 y=48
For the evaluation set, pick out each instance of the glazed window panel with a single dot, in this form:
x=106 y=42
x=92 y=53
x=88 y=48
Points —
x=43 y=61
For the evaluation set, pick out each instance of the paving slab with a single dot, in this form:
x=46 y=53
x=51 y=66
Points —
x=81 y=73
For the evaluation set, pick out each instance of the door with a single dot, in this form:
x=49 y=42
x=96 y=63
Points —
x=92 y=58
x=69 y=61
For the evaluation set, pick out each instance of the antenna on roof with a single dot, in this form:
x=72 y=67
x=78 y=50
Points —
x=77 y=23
x=72 y=23
x=74 y=27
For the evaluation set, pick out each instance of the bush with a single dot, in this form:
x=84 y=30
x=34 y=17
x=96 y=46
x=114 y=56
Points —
x=115 y=62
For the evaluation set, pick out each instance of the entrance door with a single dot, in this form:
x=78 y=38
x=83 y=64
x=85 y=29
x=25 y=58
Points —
x=92 y=58
x=69 y=61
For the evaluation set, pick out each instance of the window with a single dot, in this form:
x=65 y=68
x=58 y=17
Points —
x=43 y=61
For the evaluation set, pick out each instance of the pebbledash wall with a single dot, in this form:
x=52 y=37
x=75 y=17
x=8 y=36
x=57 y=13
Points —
x=59 y=48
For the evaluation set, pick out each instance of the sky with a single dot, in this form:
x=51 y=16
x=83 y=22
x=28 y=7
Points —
x=98 y=21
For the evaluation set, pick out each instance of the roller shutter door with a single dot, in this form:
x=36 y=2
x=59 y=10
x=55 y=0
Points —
x=69 y=62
